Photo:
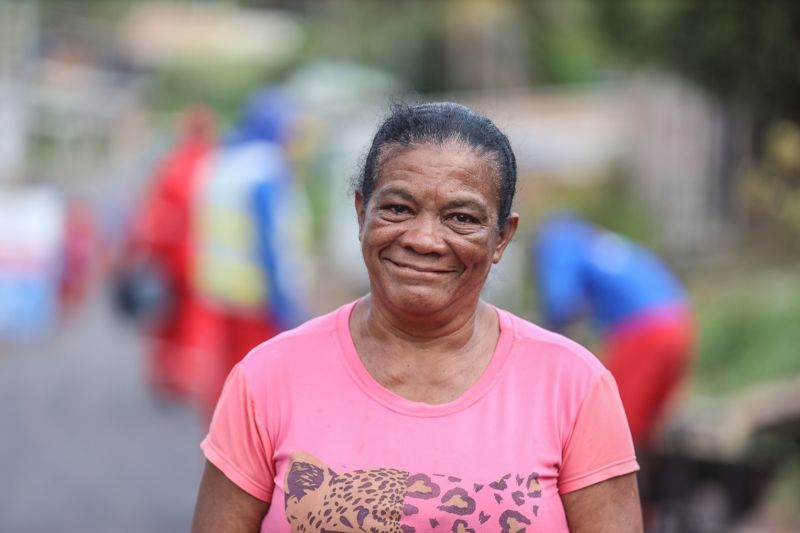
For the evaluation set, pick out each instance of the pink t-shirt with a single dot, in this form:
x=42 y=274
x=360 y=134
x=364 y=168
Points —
x=303 y=425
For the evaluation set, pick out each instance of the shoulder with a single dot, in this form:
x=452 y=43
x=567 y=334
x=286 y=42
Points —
x=296 y=351
x=550 y=353
x=303 y=347
x=555 y=373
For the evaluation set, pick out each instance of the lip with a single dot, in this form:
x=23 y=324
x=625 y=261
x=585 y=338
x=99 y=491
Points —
x=418 y=268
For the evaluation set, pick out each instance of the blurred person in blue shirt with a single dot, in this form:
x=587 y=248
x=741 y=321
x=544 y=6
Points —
x=253 y=231
x=635 y=303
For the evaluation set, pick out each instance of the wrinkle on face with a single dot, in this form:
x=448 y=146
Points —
x=487 y=161
x=422 y=257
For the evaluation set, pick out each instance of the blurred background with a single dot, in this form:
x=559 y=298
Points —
x=675 y=124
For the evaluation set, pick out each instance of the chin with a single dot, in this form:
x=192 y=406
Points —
x=421 y=300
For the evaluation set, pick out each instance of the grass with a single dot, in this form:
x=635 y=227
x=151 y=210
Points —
x=749 y=332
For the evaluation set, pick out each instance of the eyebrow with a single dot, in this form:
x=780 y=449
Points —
x=404 y=194
x=453 y=204
x=473 y=204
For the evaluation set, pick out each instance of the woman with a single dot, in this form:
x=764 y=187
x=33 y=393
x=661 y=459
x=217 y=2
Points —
x=419 y=407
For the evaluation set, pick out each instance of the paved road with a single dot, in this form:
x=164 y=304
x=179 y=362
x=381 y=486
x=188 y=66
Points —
x=83 y=446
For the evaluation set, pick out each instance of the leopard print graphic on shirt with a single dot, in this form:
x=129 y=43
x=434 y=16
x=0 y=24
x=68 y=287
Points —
x=384 y=500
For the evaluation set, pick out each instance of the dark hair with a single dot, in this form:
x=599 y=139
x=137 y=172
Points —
x=439 y=123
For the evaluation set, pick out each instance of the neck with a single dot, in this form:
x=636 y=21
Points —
x=448 y=330
x=432 y=363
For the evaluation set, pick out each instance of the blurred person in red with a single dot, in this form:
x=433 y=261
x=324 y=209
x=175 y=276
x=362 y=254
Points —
x=163 y=239
x=635 y=303
x=80 y=255
x=250 y=236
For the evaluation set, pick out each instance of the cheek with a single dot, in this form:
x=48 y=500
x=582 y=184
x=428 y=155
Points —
x=476 y=251
x=377 y=233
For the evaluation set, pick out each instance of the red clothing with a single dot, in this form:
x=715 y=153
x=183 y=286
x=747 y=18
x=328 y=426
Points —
x=197 y=344
x=649 y=358
x=163 y=230
x=227 y=340
x=80 y=255
x=163 y=234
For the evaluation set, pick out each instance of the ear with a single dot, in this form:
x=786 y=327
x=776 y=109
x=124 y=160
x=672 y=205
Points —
x=360 y=213
x=506 y=234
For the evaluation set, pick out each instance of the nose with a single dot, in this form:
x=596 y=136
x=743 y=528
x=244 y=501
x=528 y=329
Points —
x=424 y=236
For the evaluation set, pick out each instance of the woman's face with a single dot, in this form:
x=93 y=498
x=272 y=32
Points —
x=429 y=233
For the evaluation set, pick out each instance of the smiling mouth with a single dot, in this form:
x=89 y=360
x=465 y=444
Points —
x=419 y=268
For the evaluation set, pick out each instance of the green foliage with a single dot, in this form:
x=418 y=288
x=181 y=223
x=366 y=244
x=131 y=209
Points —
x=608 y=203
x=613 y=207
x=749 y=334
x=404 y=38
x=412 y=39
x=565 y=46
x=221 y=86
x=740 y=49
x=769 y=192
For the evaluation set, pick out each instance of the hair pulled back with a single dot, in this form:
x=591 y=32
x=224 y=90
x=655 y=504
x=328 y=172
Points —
x=439 y=123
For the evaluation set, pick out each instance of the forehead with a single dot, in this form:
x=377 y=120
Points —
x=451 y=166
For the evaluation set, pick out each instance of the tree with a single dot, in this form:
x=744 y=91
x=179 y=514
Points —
x=746 y=52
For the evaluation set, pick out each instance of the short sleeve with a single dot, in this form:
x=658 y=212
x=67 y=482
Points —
x=600 y=445
x=237 y=442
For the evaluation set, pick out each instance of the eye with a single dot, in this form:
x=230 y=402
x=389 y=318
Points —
x=398 y=209
x=463 y=218
x=395 y=212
